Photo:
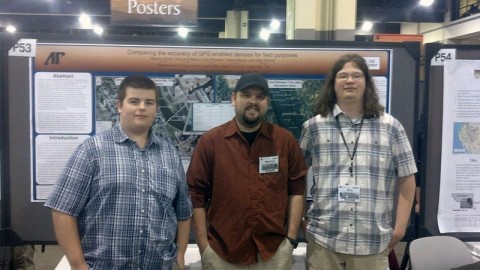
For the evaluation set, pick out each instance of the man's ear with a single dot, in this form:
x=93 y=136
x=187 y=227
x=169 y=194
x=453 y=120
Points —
x=233 y=97
x=119 y=106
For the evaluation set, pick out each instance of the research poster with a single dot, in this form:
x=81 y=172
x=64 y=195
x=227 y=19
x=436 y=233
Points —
x=459 y=200
x=73 y=92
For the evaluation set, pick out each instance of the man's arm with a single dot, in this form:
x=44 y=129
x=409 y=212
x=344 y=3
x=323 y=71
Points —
x=183 y=234
x=66 y=231
x=406 y=194
x=295 y=213
x=200 y=224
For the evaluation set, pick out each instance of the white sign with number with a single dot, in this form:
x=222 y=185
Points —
x=24 y=47
x=444 y=55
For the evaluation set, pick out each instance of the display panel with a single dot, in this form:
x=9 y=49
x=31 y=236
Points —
x=65 y=99
x=449 y=174
x=186 y=74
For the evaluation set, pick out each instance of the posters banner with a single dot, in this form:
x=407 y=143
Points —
x=154 y=12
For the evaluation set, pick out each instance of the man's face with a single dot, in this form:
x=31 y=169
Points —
x=250 y=104
x=137 y=111
x=350 y=84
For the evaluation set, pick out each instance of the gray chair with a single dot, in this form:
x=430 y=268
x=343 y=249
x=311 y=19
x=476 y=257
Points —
x=438 y=253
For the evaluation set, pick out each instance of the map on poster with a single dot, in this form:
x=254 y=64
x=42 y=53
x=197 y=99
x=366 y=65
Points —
x=466 y=138
x=178 y=115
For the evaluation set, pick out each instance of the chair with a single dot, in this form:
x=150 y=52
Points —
x=438 y=253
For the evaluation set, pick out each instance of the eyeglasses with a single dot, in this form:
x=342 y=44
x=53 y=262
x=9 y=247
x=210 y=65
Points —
x=344 y=76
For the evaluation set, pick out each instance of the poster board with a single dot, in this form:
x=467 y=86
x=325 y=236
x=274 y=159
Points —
x=88 y=64
x=434 y=143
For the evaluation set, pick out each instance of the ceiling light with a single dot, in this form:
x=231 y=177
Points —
x=264 y=34
x=85 y=21
x=183 y=32
x=426 y=3
x=11 y=29
x=367 y=26
x=275 y=25
x=98 y=29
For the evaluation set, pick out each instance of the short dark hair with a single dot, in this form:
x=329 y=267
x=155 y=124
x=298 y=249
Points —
x=328 y=98
x=136 y=81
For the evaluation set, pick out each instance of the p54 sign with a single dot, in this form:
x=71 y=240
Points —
x=442 y=56
x=23 y=47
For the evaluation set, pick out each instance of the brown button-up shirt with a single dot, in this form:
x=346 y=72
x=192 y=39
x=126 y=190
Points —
x=246 y=210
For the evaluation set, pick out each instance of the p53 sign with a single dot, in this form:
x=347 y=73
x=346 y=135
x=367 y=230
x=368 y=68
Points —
x=23 y=47
x=442 y=56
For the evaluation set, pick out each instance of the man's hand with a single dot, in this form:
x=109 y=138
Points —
x=180 y=263
x=396 y=237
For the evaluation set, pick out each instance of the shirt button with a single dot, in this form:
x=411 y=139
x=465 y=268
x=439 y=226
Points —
x=143 y=190
x=139 y=251
x=351 y=225
x=143 y=210
x=141 y=231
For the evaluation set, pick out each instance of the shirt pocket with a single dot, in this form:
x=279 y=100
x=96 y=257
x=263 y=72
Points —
x=163 y=189
x=378 y=154
x=276 y=188
x=163 y=184
x=277 y=181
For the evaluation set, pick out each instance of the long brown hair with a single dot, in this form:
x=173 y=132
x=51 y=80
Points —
x=327 y=99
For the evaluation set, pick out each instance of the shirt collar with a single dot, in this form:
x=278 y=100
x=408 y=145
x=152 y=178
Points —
x=119 y=135
x=338 y=112
x=232 y=129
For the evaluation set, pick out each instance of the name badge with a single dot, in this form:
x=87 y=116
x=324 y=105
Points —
x=268 y=164
x=348 y=193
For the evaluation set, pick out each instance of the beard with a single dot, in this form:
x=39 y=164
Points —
x=249 y=121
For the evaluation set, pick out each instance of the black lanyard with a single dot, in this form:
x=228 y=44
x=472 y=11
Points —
x=352 y=155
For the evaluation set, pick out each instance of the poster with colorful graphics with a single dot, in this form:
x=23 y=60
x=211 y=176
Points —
x=459 y=200
x=194 y=83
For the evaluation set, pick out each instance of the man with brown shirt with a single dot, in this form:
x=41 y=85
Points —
x=247 y=180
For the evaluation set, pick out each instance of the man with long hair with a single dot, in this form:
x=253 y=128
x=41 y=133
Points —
x=358 y=154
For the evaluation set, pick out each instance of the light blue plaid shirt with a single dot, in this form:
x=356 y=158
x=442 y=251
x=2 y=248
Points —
x=383 y=154
x=127 y=200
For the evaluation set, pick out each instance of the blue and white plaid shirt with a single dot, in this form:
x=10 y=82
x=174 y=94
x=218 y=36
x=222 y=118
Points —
x=383 y=155
x=127 y=200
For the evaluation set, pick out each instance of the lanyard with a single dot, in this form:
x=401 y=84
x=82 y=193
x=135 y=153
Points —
x=352 y=155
